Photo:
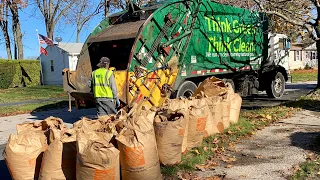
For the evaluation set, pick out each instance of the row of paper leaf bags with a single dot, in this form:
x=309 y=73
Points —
x=137 y=141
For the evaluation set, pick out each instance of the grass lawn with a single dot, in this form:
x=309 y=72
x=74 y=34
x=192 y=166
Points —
x=304 y=75
x=31 y=93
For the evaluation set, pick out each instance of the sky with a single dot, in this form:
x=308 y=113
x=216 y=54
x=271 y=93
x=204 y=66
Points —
x=31 y=19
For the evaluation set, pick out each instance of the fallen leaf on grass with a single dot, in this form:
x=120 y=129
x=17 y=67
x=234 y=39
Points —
x=268 y=117
x=205 y=148
x=251 y=133
x=197 y=152
x=229 y=132
x=228 y=166
x=311 y=156
x=214 y=149
x=215 y=141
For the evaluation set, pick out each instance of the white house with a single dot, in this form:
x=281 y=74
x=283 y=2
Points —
x=302 y=55
x=296 y=55
x=60 y=56
x=311 y=56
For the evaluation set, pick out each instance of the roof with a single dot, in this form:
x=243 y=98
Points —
x=296 y=46
x=311 y=47
x=117 y=32
x=71 y=48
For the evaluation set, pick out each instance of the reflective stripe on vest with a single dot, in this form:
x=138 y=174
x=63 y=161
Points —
x=101 y=83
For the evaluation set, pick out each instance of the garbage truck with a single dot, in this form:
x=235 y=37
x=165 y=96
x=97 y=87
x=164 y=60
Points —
x=166 y=49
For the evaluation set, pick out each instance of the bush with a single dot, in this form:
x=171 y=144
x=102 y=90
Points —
x=19 y=73
x=307 y=67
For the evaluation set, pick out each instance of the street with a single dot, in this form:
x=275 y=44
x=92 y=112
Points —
x=7 y=124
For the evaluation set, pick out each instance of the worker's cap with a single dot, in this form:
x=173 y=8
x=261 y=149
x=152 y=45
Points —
x=103 y=62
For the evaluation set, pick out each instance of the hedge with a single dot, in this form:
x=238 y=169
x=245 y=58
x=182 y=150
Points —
x=19 y=73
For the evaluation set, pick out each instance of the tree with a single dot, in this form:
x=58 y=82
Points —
x=296 y=13
x=82 y=12
x=4 y=24
x=5 y=17
x=52 y=11
x=14 y=6
x=249 y=4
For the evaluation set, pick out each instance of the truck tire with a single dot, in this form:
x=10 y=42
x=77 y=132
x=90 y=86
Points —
x=229 y=82
x=275 y=88
x=186 y=89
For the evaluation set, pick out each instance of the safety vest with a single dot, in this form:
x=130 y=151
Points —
x=101 y=83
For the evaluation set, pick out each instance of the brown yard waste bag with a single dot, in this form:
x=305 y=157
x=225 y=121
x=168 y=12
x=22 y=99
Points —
x=235 y=108
x=226 y=103
x=138 y=148
x=215 y=106
x=169 y=127
x=103 y=124
x=54 y=122
x=31 y=126
x=226 y=106
x=214 y=123
x=211 y=87
x=197 y=125
x=23 y=154
x=180 y=104
x=59 y=160
x=203 y=101
x=97 y=158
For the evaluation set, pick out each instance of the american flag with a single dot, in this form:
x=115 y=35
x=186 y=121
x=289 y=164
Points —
x=44 y=40
x=43 y=51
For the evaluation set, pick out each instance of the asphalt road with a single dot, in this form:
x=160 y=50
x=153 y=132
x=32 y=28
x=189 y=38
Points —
x=293 y=91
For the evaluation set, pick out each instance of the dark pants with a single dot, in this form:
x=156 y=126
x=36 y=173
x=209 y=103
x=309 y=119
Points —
x=105 y=107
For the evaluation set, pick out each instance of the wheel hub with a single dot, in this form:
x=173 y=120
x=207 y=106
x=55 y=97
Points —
x=187 y=94
x=278 y=85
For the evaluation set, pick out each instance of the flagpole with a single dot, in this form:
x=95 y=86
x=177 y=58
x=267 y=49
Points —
x=41 y=74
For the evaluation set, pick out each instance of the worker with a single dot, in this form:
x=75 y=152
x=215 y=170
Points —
x=104 y=88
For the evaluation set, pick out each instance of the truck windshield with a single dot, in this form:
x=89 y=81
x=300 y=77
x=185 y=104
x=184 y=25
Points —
x=118 y=51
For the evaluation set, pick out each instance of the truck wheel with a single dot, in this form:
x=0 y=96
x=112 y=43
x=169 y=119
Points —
x=186 y=89
x=229 y=82
x=276 y=87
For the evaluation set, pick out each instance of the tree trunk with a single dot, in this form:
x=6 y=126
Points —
x=17 y=35
x=318 y=56
x=49 y=29
x=7 y=40
x=4 y=27
x=19 y=41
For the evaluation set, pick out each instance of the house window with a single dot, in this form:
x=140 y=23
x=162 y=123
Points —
x=281 y=44
x=51 y=65
x=298 y=56
x=314 y=55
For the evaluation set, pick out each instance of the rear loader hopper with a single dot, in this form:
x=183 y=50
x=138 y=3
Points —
x=168 y=49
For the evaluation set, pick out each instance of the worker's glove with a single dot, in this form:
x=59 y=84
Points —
x=117 y=102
